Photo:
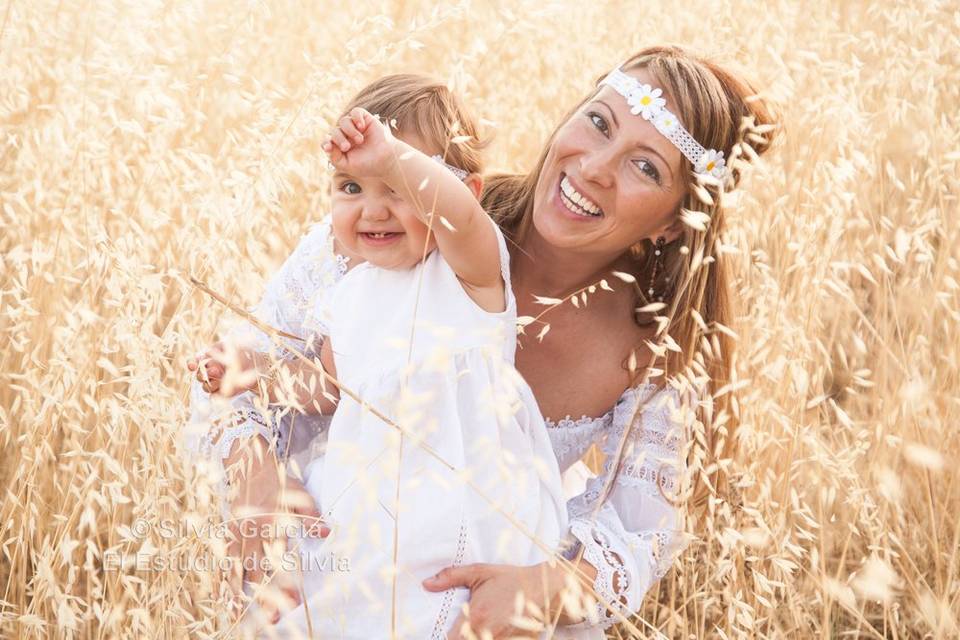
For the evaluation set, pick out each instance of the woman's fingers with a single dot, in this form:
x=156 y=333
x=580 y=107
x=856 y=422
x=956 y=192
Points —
x=299 y=502
x=468 y=575
x=456 y=629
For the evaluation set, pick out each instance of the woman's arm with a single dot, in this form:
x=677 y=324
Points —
x=632 y=537
x=625 y=544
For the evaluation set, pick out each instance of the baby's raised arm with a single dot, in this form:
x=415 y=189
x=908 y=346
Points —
x=362 y=145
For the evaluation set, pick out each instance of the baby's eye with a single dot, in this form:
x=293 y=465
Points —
x=350 y=187
x=649 y=170
x=599 y=122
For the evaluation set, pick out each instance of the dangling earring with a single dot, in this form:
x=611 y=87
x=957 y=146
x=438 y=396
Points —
x=657 y=268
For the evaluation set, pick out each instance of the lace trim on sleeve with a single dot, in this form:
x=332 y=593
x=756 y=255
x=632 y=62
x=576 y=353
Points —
x=614 y=583
x=631 y=550
x=612 y=579
x=242 y=423
x=290 y=303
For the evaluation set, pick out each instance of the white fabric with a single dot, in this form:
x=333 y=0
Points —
x=632 y=536
x=625 y=521
x=289 y=301
x=412 y=344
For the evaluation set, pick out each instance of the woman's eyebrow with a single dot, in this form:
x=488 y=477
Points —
x=612 y=114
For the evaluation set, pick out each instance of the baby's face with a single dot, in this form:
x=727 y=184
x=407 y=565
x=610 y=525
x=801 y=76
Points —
x=369 y=220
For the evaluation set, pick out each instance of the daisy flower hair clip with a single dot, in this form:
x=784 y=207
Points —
x=648 y=103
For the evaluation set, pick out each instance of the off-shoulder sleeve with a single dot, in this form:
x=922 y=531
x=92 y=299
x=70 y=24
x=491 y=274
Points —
x=294 y=301
x=633 y=535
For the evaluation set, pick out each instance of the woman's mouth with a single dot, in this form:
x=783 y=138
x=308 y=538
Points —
x=577 y=203
x=379 y=238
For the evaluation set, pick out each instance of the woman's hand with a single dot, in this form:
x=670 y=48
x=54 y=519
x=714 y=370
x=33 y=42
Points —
x=268 y=506
x=361 y=146
x=493 y=597
x=228 y=369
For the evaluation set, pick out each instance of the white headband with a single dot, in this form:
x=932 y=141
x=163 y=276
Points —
x=646 y=101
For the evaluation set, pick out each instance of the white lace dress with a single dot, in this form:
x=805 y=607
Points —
x=473 y=480
x=636 y=532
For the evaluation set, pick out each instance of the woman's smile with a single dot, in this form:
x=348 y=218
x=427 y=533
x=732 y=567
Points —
x=574 y=203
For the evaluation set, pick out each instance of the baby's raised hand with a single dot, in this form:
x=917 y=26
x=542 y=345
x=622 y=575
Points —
x=361 y=145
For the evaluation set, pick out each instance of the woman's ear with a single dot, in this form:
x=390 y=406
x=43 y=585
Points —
x=671 y=231
x=474 y=182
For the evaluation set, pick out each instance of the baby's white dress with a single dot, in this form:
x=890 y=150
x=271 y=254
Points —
x=473 y=479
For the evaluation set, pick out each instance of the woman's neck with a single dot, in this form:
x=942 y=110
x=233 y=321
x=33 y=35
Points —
x=541 y=268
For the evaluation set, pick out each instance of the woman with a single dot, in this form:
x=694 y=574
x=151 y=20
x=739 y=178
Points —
x=642 y=184
x=614 y=192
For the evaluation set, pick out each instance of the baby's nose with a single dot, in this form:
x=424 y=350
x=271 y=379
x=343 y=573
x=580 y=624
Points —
x=376 y=211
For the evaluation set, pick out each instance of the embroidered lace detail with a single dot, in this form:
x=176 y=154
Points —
x=243 y=423
x=628 y=548
x=571 y=439
x=612 y=580
x=570 y=423
x=658 y=542
x=649 y=478
x=440 y=628
x=342 y=265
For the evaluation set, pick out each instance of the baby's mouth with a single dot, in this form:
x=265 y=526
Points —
x=379 y=237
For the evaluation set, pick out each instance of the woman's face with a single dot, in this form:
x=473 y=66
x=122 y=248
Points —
x=609 y=180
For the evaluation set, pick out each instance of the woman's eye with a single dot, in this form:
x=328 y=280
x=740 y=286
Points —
x=649 y=170
x=598 y=122
x=351 y=188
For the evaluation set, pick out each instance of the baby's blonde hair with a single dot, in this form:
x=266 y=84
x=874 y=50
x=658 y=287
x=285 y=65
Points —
x=421 y=105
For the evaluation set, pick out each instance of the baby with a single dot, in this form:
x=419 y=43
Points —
x=437 y=452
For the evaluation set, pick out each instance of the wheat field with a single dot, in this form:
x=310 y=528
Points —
x=143 y=142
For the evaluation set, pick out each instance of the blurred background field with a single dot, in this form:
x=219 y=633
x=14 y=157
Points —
x=143 y=142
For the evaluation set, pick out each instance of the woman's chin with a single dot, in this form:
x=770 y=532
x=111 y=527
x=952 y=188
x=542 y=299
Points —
x=559 y=231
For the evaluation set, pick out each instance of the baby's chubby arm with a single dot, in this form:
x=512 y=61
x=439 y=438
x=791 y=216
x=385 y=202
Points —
x=361 y=145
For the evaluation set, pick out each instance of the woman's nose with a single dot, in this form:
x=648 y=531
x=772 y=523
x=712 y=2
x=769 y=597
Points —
x=597 y=166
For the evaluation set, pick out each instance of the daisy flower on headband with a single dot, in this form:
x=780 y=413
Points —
x=665 y=122
x=712 y=162
x=646 y=101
